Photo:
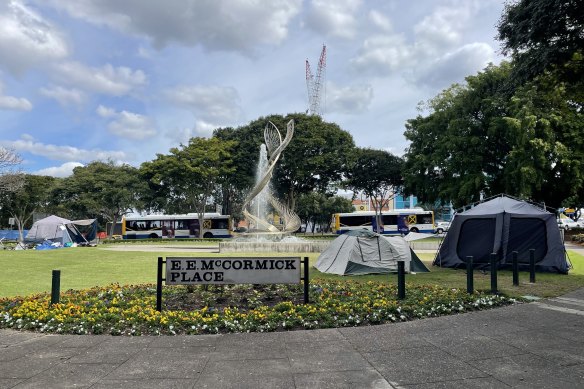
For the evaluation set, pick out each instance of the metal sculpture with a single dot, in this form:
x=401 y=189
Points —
x=275 y=145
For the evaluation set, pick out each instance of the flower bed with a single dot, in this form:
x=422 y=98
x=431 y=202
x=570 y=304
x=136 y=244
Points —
x=130 y=310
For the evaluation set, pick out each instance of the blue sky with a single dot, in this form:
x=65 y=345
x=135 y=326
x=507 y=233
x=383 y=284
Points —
x=92 y=80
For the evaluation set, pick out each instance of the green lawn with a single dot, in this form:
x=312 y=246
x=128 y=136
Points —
x=29 y=271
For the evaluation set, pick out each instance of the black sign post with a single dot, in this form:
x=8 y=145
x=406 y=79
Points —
x=159 y=280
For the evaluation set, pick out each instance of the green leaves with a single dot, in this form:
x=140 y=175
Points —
x=494 y=136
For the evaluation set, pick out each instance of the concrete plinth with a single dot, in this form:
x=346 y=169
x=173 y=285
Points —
x=315 y=246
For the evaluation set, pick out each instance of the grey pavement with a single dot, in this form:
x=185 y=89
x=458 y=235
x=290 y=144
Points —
x=534 y=345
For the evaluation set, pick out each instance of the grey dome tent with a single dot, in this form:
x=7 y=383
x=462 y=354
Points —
x=364 y=252
x=503 y=225
x=58 y=229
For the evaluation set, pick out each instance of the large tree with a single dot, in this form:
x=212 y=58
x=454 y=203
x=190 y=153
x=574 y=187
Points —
x=32 y=197
x=493 y=136
x=103 y=189
x=186 y=179
x=457 y=148
x=378 y=174
x=544 y=35
x=546 y=41
x=317 y=156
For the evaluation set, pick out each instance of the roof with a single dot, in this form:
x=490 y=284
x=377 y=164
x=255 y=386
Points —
x=504 y=204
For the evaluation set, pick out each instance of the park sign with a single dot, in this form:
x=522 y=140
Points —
x=231 y=270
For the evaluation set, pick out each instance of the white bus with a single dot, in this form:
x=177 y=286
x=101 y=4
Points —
x=176 y=226
x=393 y=222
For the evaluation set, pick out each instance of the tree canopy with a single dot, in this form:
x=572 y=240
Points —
x=317 y=157
x=492 y=136
x=378 y=174
x=103 y=189
x=33 y=196
x=544 y=35
x=186 y=179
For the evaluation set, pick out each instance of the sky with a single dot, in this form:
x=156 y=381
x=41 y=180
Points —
x=90 y=80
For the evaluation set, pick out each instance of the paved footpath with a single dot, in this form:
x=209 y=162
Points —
x=535 y=345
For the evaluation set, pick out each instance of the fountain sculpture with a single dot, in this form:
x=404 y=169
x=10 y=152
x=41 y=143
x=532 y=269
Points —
x=262 y=194
x=264 y=236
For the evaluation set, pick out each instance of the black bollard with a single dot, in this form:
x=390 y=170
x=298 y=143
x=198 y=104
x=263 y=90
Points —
x=56 y=287
x=469 y=276
x=494 y=273
x=532 y=266
x=159 y=285
x=515 y=269
x=306 y=280
x=401 y=280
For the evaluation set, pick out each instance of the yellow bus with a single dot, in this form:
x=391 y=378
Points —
x=176 y=226
x=393 y=222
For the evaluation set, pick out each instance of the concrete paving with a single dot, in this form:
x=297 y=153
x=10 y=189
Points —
x=535 y=345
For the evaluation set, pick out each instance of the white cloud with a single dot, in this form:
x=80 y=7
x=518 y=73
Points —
x=237 y=25
x=61 y=153
x=109 y=80
x=382 y=54
x=348 y=99
x=334 y=18
x=105 y=112
x=203 y=128
x=454 y=66
x=127 y=124
x=13 y=103
x=444 y=28
x=65 y=170
x=26 y=39
x=380 y=20
x=64 y=96
x=210 y=103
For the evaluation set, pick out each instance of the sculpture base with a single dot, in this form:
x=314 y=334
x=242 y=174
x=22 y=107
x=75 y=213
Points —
x=306 y=246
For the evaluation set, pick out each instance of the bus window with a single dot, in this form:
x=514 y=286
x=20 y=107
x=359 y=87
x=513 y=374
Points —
x=217 y=224
x=356 y=221
x=182 y=224
x=389 y=219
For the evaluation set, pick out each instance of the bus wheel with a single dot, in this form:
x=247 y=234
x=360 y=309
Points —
x=207 y=235
x=153 y=236
x=414 y=230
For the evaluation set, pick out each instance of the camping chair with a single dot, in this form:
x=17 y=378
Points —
x=21 y=246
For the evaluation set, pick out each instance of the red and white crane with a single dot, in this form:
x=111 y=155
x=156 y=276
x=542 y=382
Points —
x=316 y=84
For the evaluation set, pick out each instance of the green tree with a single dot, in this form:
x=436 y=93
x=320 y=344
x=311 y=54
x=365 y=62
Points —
x=378 y=174
x=32 y=197
x=186 y=179
x=239 y=182
x=487 y=136
x=315 y=209
x=317 y=157
x=456 y=150
x=544 y=35
x=103 y=189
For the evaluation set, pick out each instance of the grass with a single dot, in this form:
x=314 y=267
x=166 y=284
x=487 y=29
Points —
x=29 y=271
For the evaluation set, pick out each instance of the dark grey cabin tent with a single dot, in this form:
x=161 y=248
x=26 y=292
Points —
x=503 y=225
